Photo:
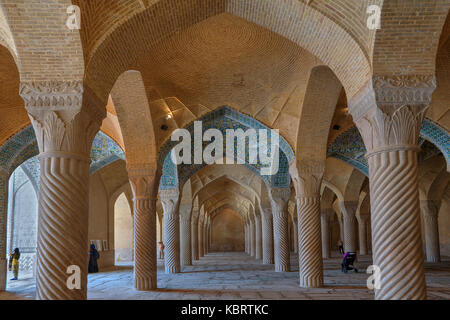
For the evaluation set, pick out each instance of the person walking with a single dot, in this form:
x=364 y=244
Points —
x=93 y=257
x=14 y=263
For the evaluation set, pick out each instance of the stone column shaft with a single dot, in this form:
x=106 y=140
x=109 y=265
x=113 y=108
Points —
x=65 y=119
x=144 y=181
x=185 y=243
x=4 y=179
x=258 y=226
x=295 y=228
x=362 y=227
x=325 y=226
x=307 y=178
x=201 y=247
x=430 y=210
x=267 y=238
x=252 y=239
x=279 y=202
x=388 y=112
x=170 y=203
x=348 y=209
x=195 y=244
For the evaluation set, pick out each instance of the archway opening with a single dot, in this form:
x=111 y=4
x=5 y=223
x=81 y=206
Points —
x=123 y=231
x=22 y=221
x=227 y=232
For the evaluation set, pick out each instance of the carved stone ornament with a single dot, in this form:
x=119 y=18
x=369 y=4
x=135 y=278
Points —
x=307 y=177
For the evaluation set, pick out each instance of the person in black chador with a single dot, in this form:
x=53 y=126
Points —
x=93 y=256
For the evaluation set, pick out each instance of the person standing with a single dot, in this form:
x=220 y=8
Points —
x=340 y=246
x=161 y=250
x=14 y=263
x=93 y=257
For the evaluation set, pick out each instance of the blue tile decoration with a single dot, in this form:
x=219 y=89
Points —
x=349 y=146
x=438 y=136
x=222 y=119
x=23 y=146
x=104 y=151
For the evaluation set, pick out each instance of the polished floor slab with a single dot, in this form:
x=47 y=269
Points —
x=238 y=276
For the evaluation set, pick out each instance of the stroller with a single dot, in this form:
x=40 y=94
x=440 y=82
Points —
x=347 y=262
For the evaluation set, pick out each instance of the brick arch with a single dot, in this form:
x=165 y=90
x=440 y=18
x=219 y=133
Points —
x=13 y=116
x=42 y=60
x=230 y=178
x=327 y=198
x=354 y=185
x=235 y=188
x=6 y=36
x=307 y=27
x=393 y=54
x=318 y=109
x=133 y=112
x=439 y=110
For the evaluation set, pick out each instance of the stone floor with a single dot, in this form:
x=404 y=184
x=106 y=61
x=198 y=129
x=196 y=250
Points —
x=237 y=276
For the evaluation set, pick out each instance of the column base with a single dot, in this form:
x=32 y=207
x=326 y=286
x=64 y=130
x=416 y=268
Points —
x=311 y=283
x=145 y=284
x=172 y=270
x=433 y=259
x=3 y=275
x=282 y=268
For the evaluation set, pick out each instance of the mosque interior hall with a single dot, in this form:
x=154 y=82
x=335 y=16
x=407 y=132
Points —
x=225 y=150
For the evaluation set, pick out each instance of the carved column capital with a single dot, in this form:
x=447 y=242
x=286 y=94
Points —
x=170 y=202
x=326 y=213
x=389 y=111
x=63 y=128
x=143 y=179
x=348 y=208
x=430 y=208
x=279 y=200
x=363 y=218
x=307 y=177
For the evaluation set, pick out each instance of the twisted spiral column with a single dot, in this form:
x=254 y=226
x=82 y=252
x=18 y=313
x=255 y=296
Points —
x=325 y=227
x=348 y=209
x=349 y=233
x=362 y=227
x=185 y=241
x=143 y=180
x=388 y=111
x=295 y=228
x=62 y=225
x=396 y=234
x=307 y=179
x=252 y=239
x=201 y=247
x=3 y=222
x=279 y=200
x=258 y=227
x=205 y=238
x=170 y=202
x=246 y=237
x=267 y=238
x=430 y=212
x=310 y=243
x=145 y=244
x=195 y=240
x=65 y=119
